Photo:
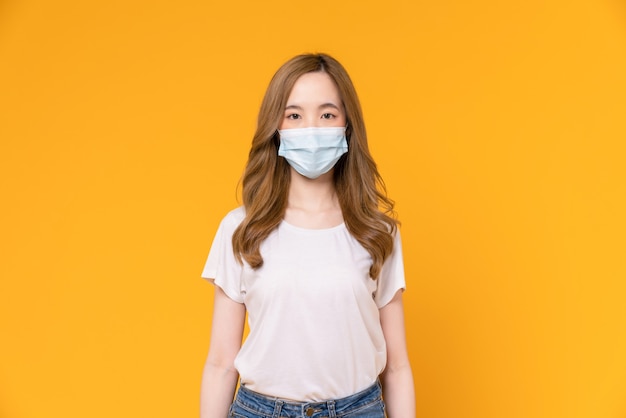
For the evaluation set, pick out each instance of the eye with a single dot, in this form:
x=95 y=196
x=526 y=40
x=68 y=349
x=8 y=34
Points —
x=328 y=116
x=293 y=116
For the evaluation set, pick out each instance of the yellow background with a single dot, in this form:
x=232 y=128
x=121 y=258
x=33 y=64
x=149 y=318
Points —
x=498 y=126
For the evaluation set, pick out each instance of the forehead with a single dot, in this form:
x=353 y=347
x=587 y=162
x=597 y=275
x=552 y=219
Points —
x=314 y=87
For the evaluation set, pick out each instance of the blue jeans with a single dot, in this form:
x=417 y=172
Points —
x=365 y=404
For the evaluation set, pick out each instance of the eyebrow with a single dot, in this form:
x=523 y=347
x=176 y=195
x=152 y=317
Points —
x=322 y=106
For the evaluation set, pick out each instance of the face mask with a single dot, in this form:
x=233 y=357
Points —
x=312 y=151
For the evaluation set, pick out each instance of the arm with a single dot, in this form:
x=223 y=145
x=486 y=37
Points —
x=397 y=378
x=219 y=378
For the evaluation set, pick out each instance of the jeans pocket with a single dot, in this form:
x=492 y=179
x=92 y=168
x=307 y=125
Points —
x=237 y=411
x=372 y=410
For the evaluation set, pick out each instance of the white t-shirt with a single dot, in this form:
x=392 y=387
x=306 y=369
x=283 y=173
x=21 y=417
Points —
x=315 y=331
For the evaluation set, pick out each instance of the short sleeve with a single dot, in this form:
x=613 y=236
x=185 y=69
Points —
x=221 y=268
x=391 y=277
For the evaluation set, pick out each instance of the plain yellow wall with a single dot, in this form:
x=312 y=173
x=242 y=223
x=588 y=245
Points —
x=498 y=126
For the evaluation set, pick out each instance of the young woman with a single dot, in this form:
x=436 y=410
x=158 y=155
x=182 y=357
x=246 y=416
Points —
x=315 y=260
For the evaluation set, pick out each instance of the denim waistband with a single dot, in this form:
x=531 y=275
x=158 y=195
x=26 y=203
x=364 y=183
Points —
x=268 y=406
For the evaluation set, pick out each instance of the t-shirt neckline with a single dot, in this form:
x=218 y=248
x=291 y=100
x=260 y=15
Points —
x=312 y=230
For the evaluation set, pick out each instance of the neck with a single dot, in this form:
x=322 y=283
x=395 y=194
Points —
x=312 y=195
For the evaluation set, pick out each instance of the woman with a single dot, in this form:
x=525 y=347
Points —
x=313 y=260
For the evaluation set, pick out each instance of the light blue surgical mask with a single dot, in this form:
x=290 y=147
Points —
x=312 y=151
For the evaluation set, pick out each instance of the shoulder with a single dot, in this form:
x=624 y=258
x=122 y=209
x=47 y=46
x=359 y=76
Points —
x=234 y=218
x=236 y=215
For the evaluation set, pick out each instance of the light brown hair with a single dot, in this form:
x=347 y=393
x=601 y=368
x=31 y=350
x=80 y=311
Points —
x=367 y=211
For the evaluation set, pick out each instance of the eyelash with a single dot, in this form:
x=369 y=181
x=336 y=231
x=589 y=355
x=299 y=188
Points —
x=294 y=116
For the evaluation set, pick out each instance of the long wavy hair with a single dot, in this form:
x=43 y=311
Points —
x=367 y=211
